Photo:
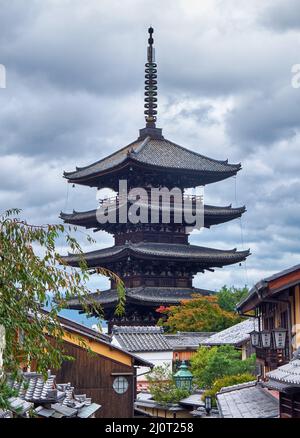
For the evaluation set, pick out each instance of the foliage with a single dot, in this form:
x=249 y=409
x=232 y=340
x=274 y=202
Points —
x=210 y=364
x=226 y=381
x=33 y=275
x=229 y=297
x=5 y=393
x=162 y=386
x=198 y=314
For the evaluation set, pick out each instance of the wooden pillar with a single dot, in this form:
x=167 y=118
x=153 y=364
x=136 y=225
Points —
x=297 y=315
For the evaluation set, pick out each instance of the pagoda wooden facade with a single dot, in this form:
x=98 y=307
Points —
x=155 y=260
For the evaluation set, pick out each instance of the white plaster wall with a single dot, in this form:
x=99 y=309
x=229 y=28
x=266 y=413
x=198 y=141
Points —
x=158 y=358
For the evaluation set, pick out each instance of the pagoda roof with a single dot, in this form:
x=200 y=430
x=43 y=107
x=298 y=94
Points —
x=212 y=215
x=207 y=257
x=143 y=295
x=157 y=153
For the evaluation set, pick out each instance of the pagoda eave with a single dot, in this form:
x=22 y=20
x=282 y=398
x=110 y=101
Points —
x=204 y=258
x=212 y=216
x=153 y=155
x=143 y=296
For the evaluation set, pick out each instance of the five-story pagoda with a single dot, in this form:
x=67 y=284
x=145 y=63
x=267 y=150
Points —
x=154 y=258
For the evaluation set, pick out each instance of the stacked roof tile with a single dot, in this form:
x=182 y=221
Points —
x=247 y=400
x=286 y=377
x=235 y=335
x=141 y=338
x=45 y=398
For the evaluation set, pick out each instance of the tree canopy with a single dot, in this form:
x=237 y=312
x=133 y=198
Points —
x=229 y=297
x=162 y=386
x=198 y=314
x=32 y=273
x=210 y=364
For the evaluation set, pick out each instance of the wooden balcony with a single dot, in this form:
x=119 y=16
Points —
x=272 y=358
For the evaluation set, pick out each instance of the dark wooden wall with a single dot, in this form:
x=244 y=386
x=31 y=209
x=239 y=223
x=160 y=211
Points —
x=289 y=405
x=91 y=375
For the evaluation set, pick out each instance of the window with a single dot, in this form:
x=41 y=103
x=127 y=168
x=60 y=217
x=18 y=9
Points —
x=120 y=385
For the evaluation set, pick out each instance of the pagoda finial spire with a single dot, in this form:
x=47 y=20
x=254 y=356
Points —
x=150 y=84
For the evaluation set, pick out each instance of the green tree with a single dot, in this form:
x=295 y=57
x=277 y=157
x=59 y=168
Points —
x=224 y=382
x=198 y=314
x=162 y=386
x=210 y=364
x=32 y=276
x=229 y=297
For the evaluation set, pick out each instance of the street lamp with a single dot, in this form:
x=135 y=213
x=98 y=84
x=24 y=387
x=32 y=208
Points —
x=254 y=336
x=279 y=337
x=207 y=402
x=266 y=338
x=183 y=378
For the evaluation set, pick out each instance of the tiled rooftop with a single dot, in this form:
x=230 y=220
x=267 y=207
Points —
x=53 y=400
x=187 y=339
x=207 y=256
x=247 y=400
x=139 y=339
x=160 y=153
x=170 y=295
x=235 y=335
x=286 y=376
x=212 y=215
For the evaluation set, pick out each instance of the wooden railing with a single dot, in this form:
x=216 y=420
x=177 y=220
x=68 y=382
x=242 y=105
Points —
x=121 y=200
x=272 y=358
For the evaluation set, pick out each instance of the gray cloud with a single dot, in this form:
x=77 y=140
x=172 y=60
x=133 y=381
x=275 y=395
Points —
x=75 y=94
x=282 y=15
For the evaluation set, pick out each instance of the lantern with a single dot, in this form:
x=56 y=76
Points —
x=265 y=338
x=255 y=338
x=207 y=401
x=279 y=335
x=183 y=378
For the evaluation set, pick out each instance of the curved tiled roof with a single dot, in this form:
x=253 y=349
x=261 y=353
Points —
x=257 y=289
x=247 y=400
x=234 y=335
x=212 y=215
x=209 y=257
x=160 y=153
x=288 y=376
x=145 y=295
x=187 y=339
x=138 y=338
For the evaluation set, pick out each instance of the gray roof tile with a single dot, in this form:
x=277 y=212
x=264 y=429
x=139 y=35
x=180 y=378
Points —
x=160 y=153
x=161 y=295
x=187 y=339
x=235 y=335
x=141 y=338
x=208 y=256
x=43 y=392
x=247 y=400
x=212 y=215
x=287 y=376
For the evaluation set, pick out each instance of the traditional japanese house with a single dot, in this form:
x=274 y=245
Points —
x=247 y=400
x=237 y=335
x=153 y=257
x=37 y=396
x=185 y=344
x=149 y=343
x=103 y=372
x=286 y=380
x=275 y=301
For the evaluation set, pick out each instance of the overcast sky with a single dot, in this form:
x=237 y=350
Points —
x=75 y=72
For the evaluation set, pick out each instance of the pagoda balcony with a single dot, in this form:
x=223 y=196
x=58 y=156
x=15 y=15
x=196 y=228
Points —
x=117 y=201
